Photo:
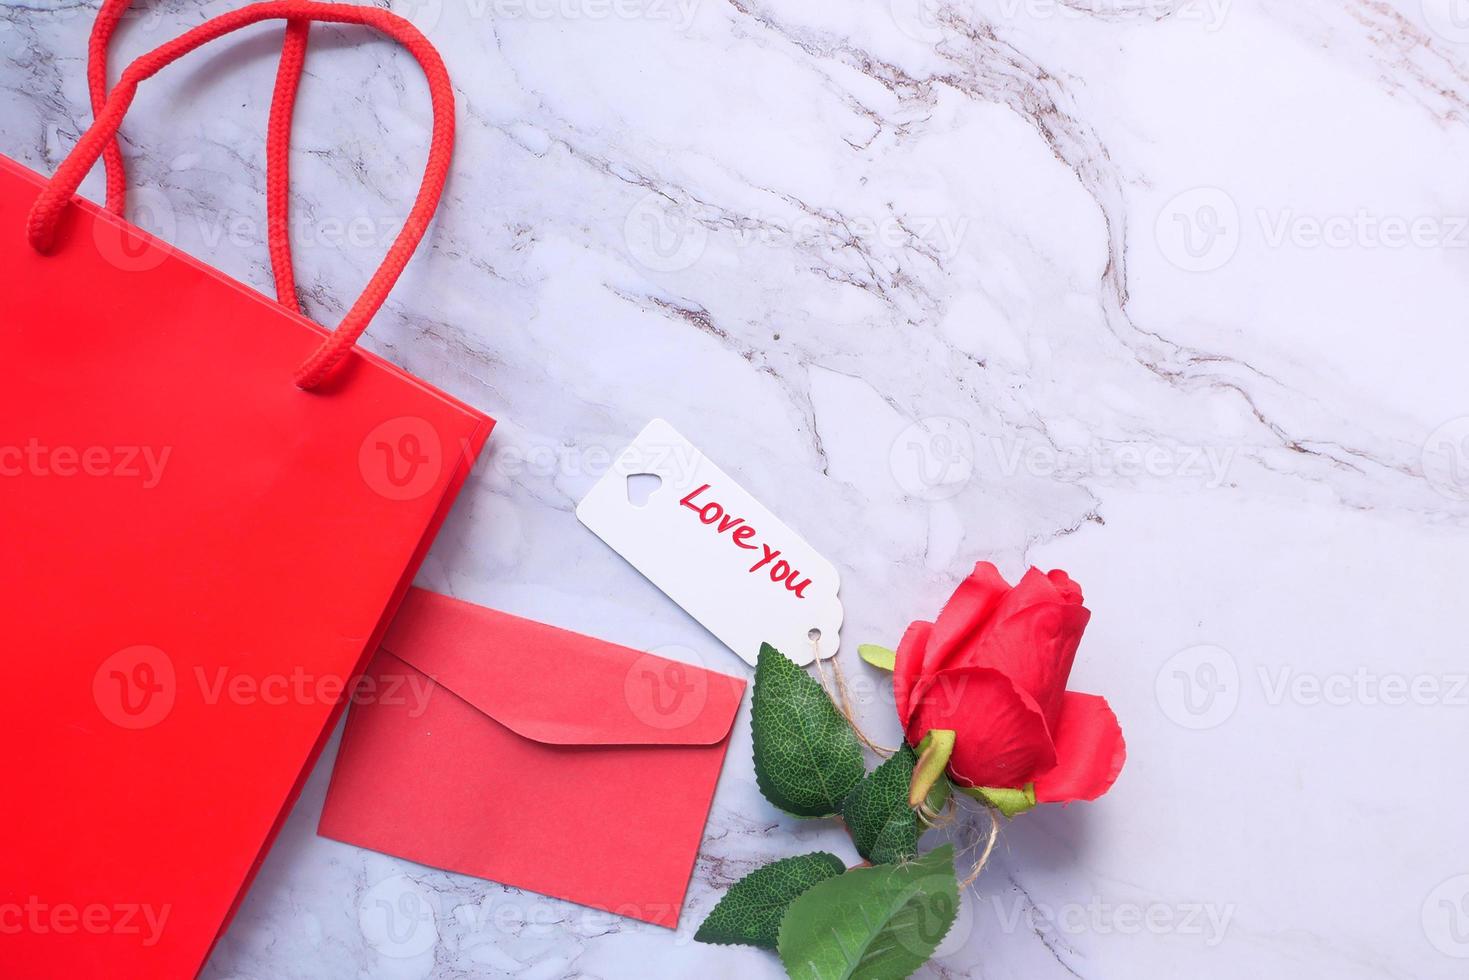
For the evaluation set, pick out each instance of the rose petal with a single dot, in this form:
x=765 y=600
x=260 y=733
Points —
x=968 y=611
x=1034 y=586
x=1065 y=587
x=1035 y=648
x=1002 y=737
x=908 y=665
x=1090 y=751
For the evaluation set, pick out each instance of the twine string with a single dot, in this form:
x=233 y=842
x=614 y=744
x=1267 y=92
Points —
x=837 y=689
x=841 y=696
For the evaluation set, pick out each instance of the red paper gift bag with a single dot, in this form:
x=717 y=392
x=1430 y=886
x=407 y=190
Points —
x=210 y=507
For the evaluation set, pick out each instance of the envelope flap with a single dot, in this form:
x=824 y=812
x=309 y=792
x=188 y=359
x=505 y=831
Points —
x=560 y=687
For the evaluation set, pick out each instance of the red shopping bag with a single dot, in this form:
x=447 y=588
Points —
x=210 y=508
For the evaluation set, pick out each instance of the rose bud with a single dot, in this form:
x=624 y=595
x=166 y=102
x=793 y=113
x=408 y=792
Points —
x=992 y=670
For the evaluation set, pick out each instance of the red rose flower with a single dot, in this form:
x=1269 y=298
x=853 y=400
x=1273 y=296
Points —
x=993 y=670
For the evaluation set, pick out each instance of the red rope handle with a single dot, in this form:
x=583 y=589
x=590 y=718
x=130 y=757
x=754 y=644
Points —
x=278 y=162
x=54 y=198
x=277 y=179
x=108 y=17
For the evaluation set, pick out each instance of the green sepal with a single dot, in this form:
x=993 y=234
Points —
x=933 y=759
x=1010 y=802
x=880 y=657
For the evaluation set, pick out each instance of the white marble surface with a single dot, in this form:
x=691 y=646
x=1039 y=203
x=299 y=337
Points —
x=1171 y=295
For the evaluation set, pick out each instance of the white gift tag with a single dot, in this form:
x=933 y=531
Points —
x=702 y=539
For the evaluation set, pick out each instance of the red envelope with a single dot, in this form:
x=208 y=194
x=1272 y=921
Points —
x=506 y=749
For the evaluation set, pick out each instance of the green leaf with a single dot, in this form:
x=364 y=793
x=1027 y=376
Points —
x=880 y=657
x=749 y=914
x=883 y=826
x=879 y=923
x=807 y=759
x=1010 y=802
